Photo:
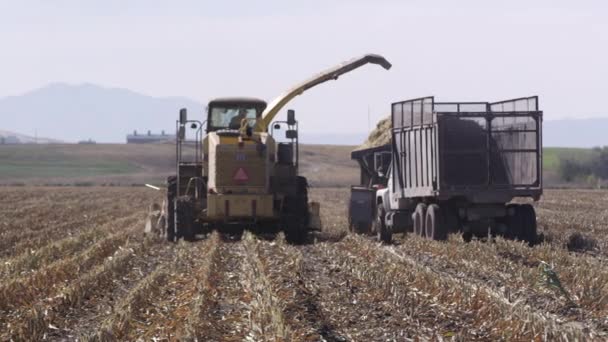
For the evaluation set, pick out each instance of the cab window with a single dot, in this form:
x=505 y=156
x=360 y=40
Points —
x=230 y=117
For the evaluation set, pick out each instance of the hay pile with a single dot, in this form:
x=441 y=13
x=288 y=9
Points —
x=381 y=135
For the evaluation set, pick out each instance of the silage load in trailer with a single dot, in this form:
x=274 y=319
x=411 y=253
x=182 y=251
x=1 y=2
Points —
x=381 y=135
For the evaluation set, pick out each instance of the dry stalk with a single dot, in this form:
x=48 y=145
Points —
x=36 y=322
x=30 y=237
x=206 y=265
x=22 y=291
x=285 y=272
x=115 y=327
x=30 y=261
x=266 y=317
x=508 y=320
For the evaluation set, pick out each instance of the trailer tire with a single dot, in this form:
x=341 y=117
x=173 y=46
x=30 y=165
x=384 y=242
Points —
x=418 y=218
x=450 y=217
x=435 y=226
x=528 y=233
x=385 y=235
x=169 y=232
x=513 y=221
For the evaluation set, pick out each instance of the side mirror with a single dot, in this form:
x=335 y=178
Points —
x=183 y=116
x=291 y=134
x=291 y=117
x=277 y=126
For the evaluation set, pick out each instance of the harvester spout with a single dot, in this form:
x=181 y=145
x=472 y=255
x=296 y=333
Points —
x=331 y=74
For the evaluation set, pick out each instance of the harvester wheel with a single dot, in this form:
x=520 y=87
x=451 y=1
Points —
x=295 y=214
x=294 y=232
x=170 y=223
x=435 y=226
x=385 y=235
x=418 y=219
x=184 y=219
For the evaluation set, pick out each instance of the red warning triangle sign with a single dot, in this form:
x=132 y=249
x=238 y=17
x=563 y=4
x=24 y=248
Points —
x=240 y=175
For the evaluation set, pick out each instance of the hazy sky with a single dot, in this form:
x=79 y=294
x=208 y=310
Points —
x=455 y=50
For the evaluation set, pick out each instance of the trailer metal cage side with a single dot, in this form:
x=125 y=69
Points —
x=450 y=148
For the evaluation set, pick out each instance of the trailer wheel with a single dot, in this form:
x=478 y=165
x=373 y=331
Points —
x=528 y=233
x=385 y=235
x=170 y=224
x=450 y=218
x=513 y=221
x=418 y=218
x=435 y=227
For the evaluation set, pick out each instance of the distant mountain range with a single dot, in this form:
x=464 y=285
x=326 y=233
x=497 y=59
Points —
x=72 y=113
x=79 y=112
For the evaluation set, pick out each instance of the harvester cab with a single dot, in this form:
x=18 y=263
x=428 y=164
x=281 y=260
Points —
x=238 y=175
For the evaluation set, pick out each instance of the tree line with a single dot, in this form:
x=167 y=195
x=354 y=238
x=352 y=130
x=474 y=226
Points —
x=590 y=169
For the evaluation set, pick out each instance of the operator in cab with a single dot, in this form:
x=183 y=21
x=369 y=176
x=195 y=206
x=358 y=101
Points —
x=235 y=122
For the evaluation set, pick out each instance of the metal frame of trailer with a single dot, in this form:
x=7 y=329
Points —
x=481 y=151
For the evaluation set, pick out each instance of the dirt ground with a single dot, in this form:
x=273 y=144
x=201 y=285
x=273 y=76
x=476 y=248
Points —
x=76 y=266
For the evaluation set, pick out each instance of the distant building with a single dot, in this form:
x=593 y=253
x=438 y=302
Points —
x=149 y=138
x=9 y=140
x=87 y=142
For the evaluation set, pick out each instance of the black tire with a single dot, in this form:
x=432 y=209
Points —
x=521 y=222
x=296 y=218
x=434 y=225
x=294 y=234
x=418 y=219
x=303 y=202
x=358 y=227
x=373 y=229
x=529 y=231
x=384 y=234
x=514 y=221
x=362 y=228
x=184 y=219
x=170 y=218
x=450 y=218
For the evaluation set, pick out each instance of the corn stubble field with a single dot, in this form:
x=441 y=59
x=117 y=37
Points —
x=76 y=266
